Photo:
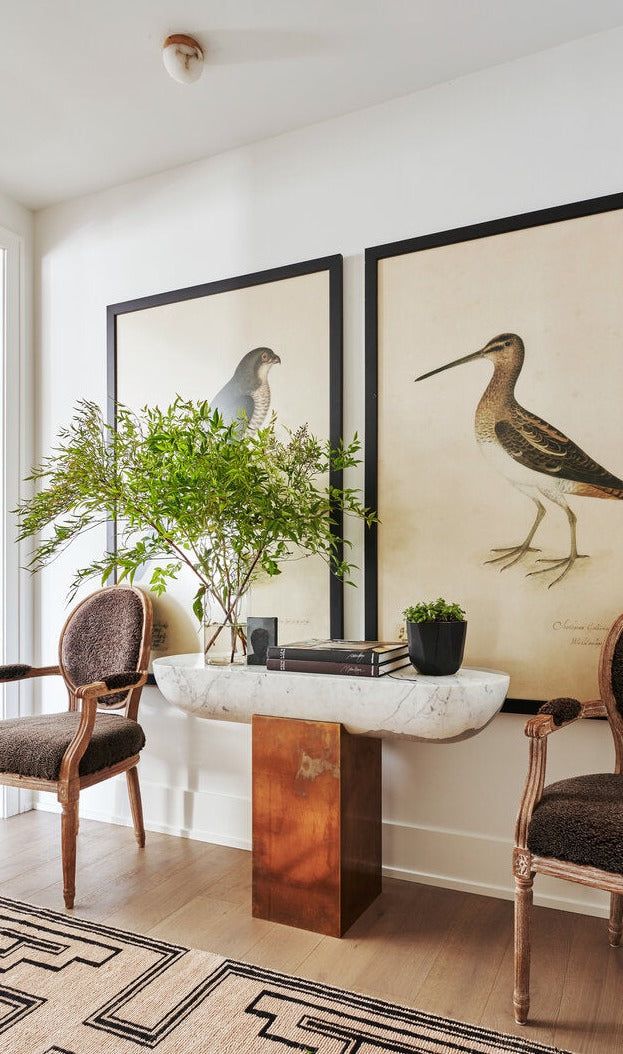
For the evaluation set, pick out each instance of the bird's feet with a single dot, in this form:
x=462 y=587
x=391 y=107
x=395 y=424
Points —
x=512 y=554
x=555 y=564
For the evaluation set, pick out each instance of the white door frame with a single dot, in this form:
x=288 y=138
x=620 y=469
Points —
x=16 y=431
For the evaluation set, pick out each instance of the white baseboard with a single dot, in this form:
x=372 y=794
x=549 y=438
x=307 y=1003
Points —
x=543 y=900
x=196 y=834
x=15 y=801
x=461 y=860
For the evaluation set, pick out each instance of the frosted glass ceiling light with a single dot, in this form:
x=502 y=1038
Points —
x=183 y=58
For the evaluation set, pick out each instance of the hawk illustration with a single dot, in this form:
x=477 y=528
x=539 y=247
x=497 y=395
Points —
x=246 y=396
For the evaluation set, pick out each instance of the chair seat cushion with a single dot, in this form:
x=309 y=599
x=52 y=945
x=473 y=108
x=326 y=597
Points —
x=34 y=746
x=581 y=820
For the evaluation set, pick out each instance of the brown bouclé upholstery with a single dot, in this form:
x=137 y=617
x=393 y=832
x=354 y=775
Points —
x=34 y=746
x=14 y=672
x=122 y=680
x=617 y=674
x=581 y=820
x=103 y=636
x=562 y=710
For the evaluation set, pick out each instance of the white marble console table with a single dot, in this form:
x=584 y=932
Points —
x=317 y=769
x=404 y=703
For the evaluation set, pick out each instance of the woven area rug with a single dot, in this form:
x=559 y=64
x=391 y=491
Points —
x=73 y=987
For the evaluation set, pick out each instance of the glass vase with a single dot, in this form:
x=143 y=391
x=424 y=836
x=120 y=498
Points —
x=224 y=643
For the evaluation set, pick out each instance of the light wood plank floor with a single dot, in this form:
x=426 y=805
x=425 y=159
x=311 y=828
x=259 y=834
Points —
x=444 y=952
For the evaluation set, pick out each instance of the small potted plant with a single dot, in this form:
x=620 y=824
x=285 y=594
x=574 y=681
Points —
x=436 y=636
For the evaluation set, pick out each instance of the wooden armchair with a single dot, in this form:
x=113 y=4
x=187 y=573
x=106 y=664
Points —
x=103 y=656
x=572 y=829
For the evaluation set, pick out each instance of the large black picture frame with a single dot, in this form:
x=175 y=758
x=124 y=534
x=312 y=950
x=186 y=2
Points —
x=373 y=256
x=333 y=265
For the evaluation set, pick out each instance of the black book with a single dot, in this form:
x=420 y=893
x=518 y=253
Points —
x=367 y=652
x=344 y=669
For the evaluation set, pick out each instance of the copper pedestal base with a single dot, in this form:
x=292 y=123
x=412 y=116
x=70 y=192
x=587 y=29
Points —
x=316 y=823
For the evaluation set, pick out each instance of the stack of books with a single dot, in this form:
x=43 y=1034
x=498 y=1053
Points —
x=352 y=658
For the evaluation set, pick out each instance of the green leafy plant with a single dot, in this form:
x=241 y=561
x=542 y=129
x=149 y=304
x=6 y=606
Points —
x=434 y=611
x=189 y=491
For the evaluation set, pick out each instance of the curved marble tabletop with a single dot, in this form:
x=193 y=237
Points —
x=404 y=704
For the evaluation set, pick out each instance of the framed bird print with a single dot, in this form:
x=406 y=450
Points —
x=251 y=346
x=494 y=439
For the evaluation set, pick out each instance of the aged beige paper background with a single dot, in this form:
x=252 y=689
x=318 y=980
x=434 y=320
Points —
x=191 y=349
x=441 y=505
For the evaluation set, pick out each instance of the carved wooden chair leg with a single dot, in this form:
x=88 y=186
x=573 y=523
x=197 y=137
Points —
x=615 y=928
x=523 y=912
x=69 y=831
x=136 y=806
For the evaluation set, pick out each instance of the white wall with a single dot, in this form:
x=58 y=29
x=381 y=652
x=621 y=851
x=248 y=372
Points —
x=534 y=133
x=16 y=218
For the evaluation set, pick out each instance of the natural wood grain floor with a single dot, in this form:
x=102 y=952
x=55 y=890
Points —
x=444 y=952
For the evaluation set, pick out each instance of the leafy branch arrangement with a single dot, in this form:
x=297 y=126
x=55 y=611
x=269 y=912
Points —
x=435 y=611
x=189 y=491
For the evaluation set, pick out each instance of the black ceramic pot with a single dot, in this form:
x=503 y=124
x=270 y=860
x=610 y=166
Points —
x=436 y=648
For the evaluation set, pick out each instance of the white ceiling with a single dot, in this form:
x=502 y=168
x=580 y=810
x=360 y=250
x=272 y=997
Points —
x=85 y=102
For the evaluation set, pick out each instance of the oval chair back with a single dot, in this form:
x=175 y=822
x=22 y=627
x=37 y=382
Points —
x=108 y=632
x=611 y=684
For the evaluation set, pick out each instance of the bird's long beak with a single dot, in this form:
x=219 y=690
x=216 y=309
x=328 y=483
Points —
x=457 y=362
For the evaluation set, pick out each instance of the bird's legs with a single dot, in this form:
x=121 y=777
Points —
x=513 y=553
x=567 y=562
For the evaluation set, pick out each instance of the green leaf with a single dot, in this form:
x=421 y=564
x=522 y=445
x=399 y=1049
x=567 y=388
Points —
x=198 y=603
x=434 y=611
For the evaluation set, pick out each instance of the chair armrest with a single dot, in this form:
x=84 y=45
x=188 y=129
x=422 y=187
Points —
x=19 y=671
x=112 y=684
x=557 y=713
x=90 y=694
x=70 y=765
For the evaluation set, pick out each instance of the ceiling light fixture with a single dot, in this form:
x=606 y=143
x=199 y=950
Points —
x=183 y=58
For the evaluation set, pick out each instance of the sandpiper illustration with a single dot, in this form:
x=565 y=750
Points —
x=535 y=457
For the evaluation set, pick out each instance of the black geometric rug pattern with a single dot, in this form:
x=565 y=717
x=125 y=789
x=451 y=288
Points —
x=68 y=986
